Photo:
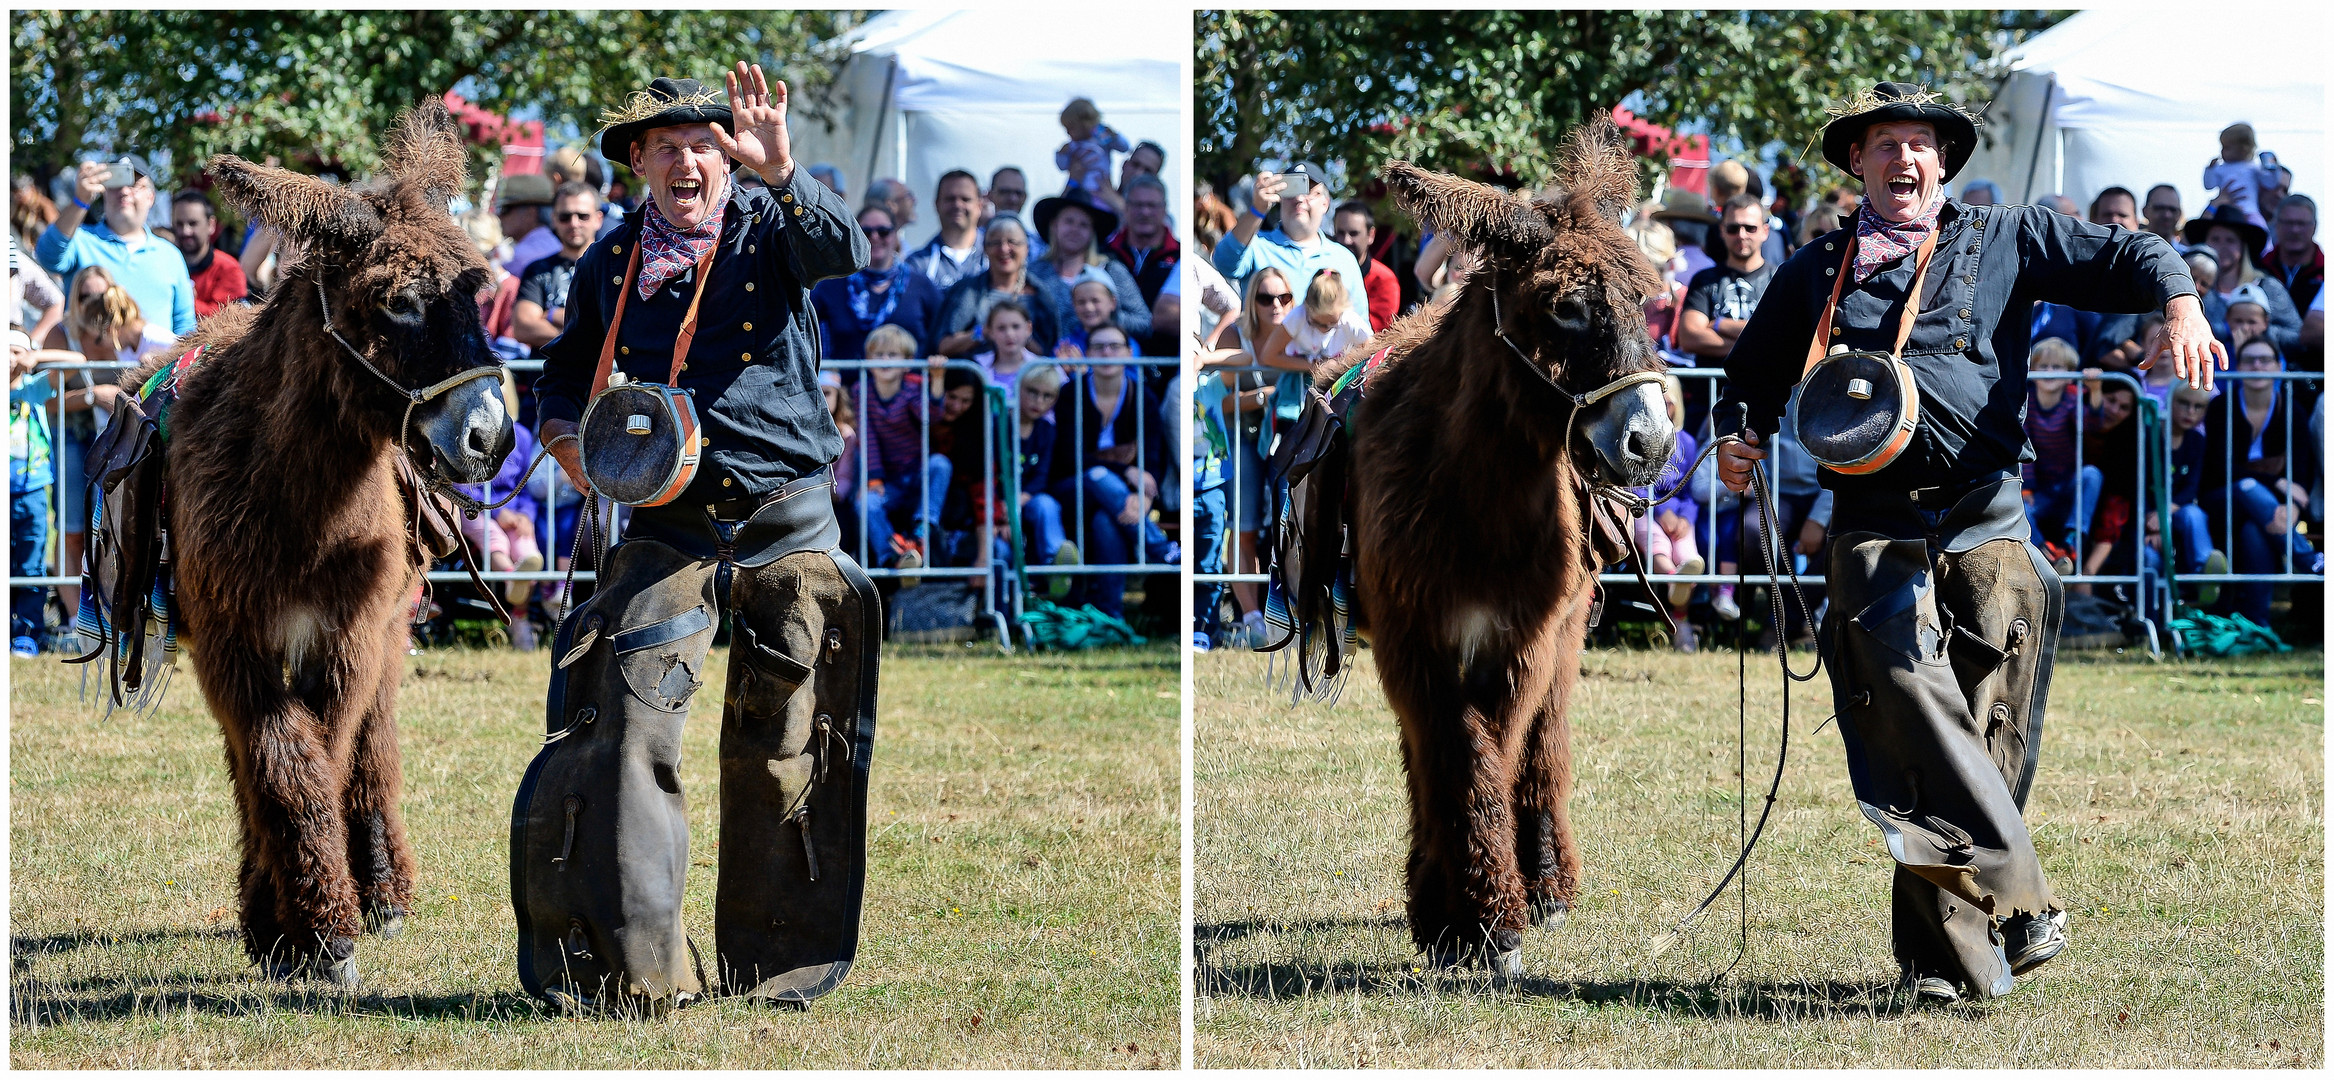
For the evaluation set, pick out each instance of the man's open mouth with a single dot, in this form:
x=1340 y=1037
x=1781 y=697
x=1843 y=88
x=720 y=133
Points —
x=685 y=192
x=1903 y=188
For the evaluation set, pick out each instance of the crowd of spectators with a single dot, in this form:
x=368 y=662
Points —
x=1041 y=307
x=2246 y=487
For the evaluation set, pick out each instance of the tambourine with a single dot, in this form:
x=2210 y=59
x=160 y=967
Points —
x=640 y=443
x=1857 y=411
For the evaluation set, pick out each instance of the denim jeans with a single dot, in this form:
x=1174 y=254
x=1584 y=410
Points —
x=918 y=496
x=1041 y=524
x=1107 y=541
x=28 y=556
x=1207 y=529
x=2192 y=535
x=2066 y=505
x=2254 y=549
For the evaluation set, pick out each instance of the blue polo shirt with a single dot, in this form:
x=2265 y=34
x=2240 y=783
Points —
x=152 y=271
x=1297 y=262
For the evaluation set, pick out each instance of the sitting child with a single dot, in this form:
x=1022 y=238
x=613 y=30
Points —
x=898 y=478
x=1041 y=513
x=2056 y=496
x=2191 y=529
x=1095 y=304
x=1006 y=328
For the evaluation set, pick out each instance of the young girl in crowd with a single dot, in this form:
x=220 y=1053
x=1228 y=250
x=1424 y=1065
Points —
x=1095 y=304
x=1007 y=330
x=1041 y=512
x=1667 y=535
x=2191 y=528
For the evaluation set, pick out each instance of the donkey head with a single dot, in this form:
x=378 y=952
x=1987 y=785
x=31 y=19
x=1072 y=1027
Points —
x=1567 y=287
x=399 y=280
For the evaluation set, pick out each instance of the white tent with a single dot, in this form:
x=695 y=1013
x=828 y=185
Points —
x=930 y=91
x=2139 y=97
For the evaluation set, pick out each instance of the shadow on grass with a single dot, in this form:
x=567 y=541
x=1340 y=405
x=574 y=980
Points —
x=44 y=1002
x=57 y=1003
x=1771 y=1000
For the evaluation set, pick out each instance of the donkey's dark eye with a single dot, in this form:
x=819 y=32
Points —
x=1569 y=312
x=404 y=306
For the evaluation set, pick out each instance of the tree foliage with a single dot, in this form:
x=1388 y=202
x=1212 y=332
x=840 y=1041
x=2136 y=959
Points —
x=1491 y=93
x=316 y=88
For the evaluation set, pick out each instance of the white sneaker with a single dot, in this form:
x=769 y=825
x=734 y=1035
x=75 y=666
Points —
x=1252 y=625
x=1723 y=603
x=523 y=634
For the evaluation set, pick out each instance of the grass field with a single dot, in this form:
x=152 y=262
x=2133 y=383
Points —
x=2177 y=813
x=1021 y=901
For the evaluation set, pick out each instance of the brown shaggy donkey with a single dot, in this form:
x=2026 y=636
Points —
x=1472 y=563
x=294 y=565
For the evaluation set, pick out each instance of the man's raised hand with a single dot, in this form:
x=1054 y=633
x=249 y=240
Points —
x=759 y=113
x=2188 y=339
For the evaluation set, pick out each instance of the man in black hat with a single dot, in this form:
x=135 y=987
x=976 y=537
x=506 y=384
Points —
x=1943 y=617
x=707 y=289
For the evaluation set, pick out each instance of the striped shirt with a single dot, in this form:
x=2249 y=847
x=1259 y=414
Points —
x=2053 y=433
x=893 y=429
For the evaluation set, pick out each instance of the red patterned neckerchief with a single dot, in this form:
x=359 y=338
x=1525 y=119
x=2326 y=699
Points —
x=666 y=251
x=1879 y=240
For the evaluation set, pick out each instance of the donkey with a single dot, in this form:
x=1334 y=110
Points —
x=1472 y=459
x=294 y=562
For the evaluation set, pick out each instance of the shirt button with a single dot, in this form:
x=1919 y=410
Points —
x=798 y=211
x=750 y=249
x=786 y=196
x=684 y=367
x=615 y=249
x=626 y=350
x=725 y=481
x=1965 y=313
x=749 y=286
x=1960 y=343
x=1830 y=270
x=749 y=326
x=1838 y=330
x=745 y=358
x=618 y=279
x=1827 y=247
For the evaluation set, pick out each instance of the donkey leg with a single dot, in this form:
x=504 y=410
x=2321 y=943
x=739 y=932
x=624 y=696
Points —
x=1466 y=896
x=1544 y=843
x=293 y=817
x=255 y=891
x=380 y=858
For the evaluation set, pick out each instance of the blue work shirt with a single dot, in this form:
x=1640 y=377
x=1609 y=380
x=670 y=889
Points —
x=1297 y=262
x=753 y=367
x=152 y=271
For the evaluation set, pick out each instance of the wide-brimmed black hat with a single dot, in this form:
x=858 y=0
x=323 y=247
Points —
x=665 y=103
x=2227 y=217
x=1895 y=102
x=1105 y=222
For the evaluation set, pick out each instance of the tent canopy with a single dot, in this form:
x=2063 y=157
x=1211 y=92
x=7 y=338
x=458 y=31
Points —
x=930 y=91
x=2111 y=98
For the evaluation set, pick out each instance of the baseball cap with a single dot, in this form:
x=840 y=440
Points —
x=18 y=339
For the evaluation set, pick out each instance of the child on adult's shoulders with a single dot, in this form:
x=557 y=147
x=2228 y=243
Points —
x=2235 y=175
x=1321 y=328
x=1086 y=157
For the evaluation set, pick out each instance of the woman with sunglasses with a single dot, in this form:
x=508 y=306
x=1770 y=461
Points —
x=886 y=292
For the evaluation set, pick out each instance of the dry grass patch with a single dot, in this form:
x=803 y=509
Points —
x=1021 y=898
x=2177 y=812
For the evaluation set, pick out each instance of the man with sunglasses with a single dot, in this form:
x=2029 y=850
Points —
x=542 y=308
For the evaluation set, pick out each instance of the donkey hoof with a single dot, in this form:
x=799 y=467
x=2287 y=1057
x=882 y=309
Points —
x=385 y=920
x=1549 y=911
x=1507 y=966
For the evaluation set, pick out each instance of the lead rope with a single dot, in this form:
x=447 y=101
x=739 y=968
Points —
x=1770 y=542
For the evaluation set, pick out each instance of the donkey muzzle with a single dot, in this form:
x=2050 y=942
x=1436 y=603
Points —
x=468 y=429
x=1631 y=434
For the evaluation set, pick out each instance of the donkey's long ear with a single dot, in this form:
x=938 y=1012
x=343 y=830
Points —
x=304 y=207
x=1599 y=174
x=1478 y=215
x=426 y=152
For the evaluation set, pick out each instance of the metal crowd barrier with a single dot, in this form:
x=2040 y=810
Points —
x=998 y=408
x=2153 y=587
